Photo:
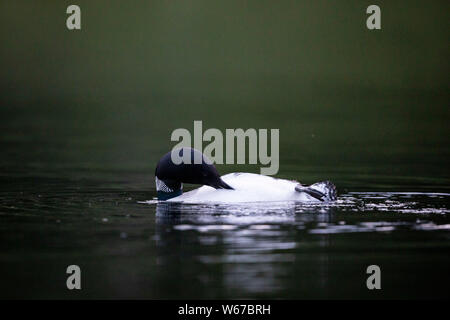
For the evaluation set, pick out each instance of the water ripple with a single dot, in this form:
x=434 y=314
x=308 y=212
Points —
x=267 y=219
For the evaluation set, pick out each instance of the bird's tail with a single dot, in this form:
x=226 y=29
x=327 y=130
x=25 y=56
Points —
x=322 y=191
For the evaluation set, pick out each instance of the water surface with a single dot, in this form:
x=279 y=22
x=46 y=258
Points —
x=132 y=247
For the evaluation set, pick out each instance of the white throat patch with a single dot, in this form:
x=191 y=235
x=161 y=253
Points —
x=161 y=186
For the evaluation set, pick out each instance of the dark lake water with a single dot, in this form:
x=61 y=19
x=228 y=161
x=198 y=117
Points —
x=66 y=200
x=128 y=249
x=85 y=115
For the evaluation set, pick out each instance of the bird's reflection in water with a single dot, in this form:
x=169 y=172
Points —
x=288 y=249
x=245 y=248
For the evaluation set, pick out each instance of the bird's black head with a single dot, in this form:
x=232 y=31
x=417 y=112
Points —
x=195 y=168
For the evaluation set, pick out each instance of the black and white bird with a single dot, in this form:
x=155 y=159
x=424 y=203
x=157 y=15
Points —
x=230 y=188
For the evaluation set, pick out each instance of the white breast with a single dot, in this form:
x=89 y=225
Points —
x=248 y=187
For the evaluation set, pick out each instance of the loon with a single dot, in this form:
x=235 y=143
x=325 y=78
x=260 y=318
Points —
x=230 y=188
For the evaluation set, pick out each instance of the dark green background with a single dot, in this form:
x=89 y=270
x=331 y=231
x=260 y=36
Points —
x=344 y=98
